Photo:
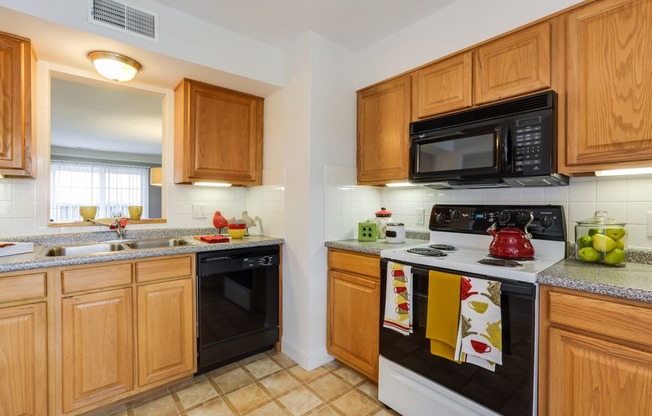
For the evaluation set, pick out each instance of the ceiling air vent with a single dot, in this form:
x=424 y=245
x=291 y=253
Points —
x=123 y=18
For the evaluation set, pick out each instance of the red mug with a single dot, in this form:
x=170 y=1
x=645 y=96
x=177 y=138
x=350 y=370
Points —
x=480 y=347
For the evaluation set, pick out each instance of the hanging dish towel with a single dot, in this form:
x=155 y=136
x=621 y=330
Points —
x=398 y=298
x=480 y=327
x=443 y=315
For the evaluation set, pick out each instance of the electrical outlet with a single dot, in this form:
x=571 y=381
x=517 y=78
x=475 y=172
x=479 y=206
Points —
x=420 y=216
x=199 y=210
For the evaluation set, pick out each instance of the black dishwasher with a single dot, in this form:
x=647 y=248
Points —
x=237 y=304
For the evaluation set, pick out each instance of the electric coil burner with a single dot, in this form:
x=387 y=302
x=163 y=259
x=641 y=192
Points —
x=426 y=251
x=412 y=380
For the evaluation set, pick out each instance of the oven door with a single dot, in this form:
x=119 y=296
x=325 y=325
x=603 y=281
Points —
x=510 y=390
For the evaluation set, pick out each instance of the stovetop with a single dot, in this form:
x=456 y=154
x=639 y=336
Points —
x=465 y=228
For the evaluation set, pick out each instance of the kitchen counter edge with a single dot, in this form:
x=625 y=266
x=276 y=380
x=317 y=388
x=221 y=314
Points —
x=38 y=260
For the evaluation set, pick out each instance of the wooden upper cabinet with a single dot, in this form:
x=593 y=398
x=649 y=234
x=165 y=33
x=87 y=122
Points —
x=384 y=112
x=513 y=65
x=444 y=86
x=218 y=135
x=16 y=66
x=609 y=85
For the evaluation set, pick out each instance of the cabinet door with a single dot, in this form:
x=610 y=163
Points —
x=223 y=135
x=353 y=321
x=609 y=85
x=15 y=117
x=593 y=376
x=444 y=86
x=383 y=132
x=166 y=337
x=513 y=65
x=97 y=339
x=23 y=360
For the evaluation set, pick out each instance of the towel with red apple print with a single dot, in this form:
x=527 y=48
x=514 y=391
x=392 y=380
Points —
x=398 y=315
x=479 y=338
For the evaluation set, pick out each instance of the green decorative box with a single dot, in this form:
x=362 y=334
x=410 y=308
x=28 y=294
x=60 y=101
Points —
x=367 y=231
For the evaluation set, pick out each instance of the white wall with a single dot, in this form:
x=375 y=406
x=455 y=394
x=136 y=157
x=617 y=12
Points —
x=181 y=36
x=308 y=123
x=459 y=25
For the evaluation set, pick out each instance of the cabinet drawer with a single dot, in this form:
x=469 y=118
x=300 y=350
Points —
x=95 y=277
x=158 y=269
x=366 y=264
x=23 y=287
x=601 y=316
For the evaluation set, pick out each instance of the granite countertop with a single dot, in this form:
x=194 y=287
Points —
x=37 y=258
x=369 y=247
x=633 y=281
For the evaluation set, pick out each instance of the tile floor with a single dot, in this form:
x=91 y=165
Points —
x=267 y=384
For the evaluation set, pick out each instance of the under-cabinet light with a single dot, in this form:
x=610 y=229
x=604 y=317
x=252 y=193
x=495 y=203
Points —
x=619 y=172
x=399 y=184
x=221 y=184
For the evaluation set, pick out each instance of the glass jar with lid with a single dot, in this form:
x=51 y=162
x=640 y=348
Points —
x=601 y=239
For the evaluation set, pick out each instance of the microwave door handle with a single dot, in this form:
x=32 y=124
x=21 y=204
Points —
x=507 y=148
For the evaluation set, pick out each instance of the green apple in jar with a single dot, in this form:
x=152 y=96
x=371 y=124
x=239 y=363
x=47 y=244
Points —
x=601 y=239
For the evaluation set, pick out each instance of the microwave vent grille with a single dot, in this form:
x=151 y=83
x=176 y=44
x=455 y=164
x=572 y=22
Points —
x=520 y=105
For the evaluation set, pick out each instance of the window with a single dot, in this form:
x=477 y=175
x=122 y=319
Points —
x=112 y=188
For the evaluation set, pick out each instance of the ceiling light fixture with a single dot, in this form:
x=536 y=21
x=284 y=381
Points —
x=114 y=66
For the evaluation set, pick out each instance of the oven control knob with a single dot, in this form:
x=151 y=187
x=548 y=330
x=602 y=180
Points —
x=523 y=217
x=265 y=261
x=455 y=215
x=439 y=218
x=503 y=216
x=546 y=221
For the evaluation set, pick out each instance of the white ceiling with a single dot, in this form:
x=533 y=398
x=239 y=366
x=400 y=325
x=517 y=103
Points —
x=353 y=24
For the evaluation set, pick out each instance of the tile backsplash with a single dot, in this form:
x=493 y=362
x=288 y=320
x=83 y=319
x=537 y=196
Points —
x=24 y=206
x=627 y=199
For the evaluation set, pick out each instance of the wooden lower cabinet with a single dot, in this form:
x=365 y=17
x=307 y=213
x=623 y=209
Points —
x=595 y=355
x=123 y=328
x=97 y=350
x=165 y=333
x=23 y=360
x=353 y=310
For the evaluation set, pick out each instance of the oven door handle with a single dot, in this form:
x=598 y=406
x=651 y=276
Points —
x=512 y=289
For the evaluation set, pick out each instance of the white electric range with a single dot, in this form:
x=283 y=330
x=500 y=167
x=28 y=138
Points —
x=414 y=382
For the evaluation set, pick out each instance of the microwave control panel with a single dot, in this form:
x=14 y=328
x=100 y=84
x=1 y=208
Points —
x=531 y=147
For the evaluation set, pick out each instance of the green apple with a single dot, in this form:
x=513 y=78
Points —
x=615 y=256
x=620 y=244
x=603 y=243
x=594 y=231
x=585 y=241
x=589 y=254
x=615 y=233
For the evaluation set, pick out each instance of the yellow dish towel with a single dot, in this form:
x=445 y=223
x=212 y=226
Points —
x=443 y=313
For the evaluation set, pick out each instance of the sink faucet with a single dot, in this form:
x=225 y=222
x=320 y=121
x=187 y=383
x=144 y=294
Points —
x=120 y=227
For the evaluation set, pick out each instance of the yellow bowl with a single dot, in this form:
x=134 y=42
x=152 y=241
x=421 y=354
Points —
x=237 y=232
x=88 y=212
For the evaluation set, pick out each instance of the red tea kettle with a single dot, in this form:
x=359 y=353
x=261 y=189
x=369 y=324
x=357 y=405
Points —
x=510 y=242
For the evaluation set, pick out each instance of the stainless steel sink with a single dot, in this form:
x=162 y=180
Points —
x=83 y=249
x=158 y=243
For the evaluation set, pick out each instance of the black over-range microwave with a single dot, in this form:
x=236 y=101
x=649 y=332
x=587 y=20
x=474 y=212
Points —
x=507 y=144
